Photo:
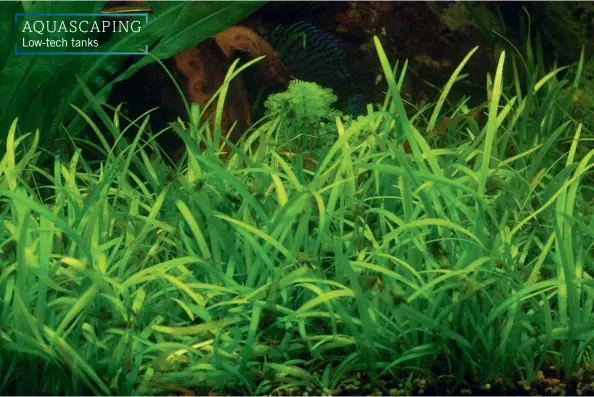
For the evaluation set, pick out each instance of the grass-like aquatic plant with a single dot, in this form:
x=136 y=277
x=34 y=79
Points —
x=257 y=275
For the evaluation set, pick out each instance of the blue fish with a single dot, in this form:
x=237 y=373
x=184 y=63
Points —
x=354 y=105
x=311 y=54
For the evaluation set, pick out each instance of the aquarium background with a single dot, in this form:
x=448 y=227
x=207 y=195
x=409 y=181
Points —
x=299 y=198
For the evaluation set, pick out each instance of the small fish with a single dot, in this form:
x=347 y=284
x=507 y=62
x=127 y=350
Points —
x=369 y=281
x=311 y=54
x=354 y=105
x=126 y=7
x=127 y=10
x=449 y=122
x=134 y=7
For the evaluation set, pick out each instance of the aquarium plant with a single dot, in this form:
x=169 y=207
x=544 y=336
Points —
x=31 y=83
x=301 y=109
x=396 y=267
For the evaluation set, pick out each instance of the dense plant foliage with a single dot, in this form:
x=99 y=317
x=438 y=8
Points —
x=255 y=274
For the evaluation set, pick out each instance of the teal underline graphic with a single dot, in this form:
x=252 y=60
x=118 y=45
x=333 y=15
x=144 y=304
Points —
x=16 y=47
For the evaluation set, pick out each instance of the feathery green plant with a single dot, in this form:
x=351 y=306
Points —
x=302 y=107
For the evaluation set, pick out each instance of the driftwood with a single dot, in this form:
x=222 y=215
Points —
x=201 y=71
